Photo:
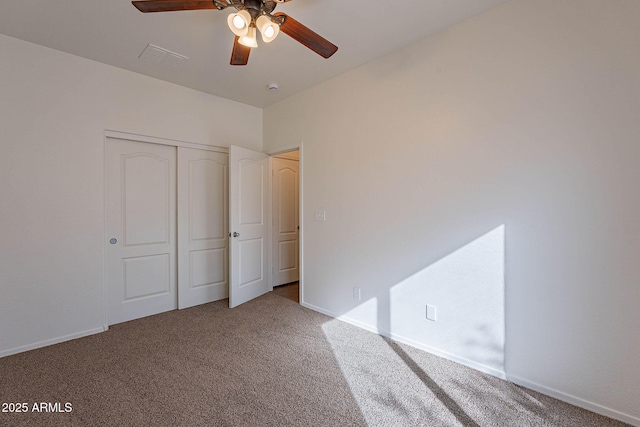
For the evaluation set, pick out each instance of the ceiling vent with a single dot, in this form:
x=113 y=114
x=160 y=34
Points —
x=162 y=57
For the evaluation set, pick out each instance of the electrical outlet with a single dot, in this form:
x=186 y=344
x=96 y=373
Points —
x=431 y=312
x=356 y=293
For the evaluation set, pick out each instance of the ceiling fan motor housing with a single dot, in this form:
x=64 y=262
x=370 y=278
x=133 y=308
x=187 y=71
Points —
x=258 y=7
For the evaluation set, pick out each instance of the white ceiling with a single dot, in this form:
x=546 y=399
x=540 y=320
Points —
x=115 y=33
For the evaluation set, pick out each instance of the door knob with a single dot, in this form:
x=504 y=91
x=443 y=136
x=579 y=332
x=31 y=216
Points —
x=113 y=241
x=236 y=234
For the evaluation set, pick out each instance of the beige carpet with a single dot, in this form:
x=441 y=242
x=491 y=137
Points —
x=269 y=362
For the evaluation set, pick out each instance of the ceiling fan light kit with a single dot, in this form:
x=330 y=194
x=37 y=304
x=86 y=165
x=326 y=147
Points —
x=249 y=39
x=268 y=29
x=249 y=16
x=239 y=22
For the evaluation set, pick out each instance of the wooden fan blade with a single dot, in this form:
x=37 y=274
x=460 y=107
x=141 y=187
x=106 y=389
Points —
x=172 y=5
x=240 y=53
x=307 y=37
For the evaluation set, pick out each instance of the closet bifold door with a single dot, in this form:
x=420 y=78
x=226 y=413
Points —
x=140 y=215
x=202 y=227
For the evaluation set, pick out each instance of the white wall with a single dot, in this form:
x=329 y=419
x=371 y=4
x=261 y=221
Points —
x=54 y=111
x=523 y=119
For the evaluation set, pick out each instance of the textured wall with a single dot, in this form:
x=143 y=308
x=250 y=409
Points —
x=54 y=112
x=525 y=118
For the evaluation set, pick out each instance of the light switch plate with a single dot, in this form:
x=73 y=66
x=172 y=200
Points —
x=321 y=215
x=431 y=312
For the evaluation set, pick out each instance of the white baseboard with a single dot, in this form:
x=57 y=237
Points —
x=449 y=356
x=576 y=401
x=53 y=341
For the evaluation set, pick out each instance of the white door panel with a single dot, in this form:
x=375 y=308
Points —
x=249 y=219
x=202 y=226
x=285 y=221
x=140 y=226
x=251 y=174
x=147 y=276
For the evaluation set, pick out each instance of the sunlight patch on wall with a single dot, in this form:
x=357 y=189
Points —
x=466 y=288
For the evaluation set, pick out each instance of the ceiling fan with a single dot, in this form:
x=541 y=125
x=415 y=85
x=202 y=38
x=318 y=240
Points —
x=249 y=16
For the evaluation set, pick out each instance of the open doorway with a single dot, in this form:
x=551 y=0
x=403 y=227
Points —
x=285 y=205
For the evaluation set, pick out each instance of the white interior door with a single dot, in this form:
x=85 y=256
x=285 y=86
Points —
x=249 y=219
x=140 y=229
x=202 y=227
x=285 y=221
